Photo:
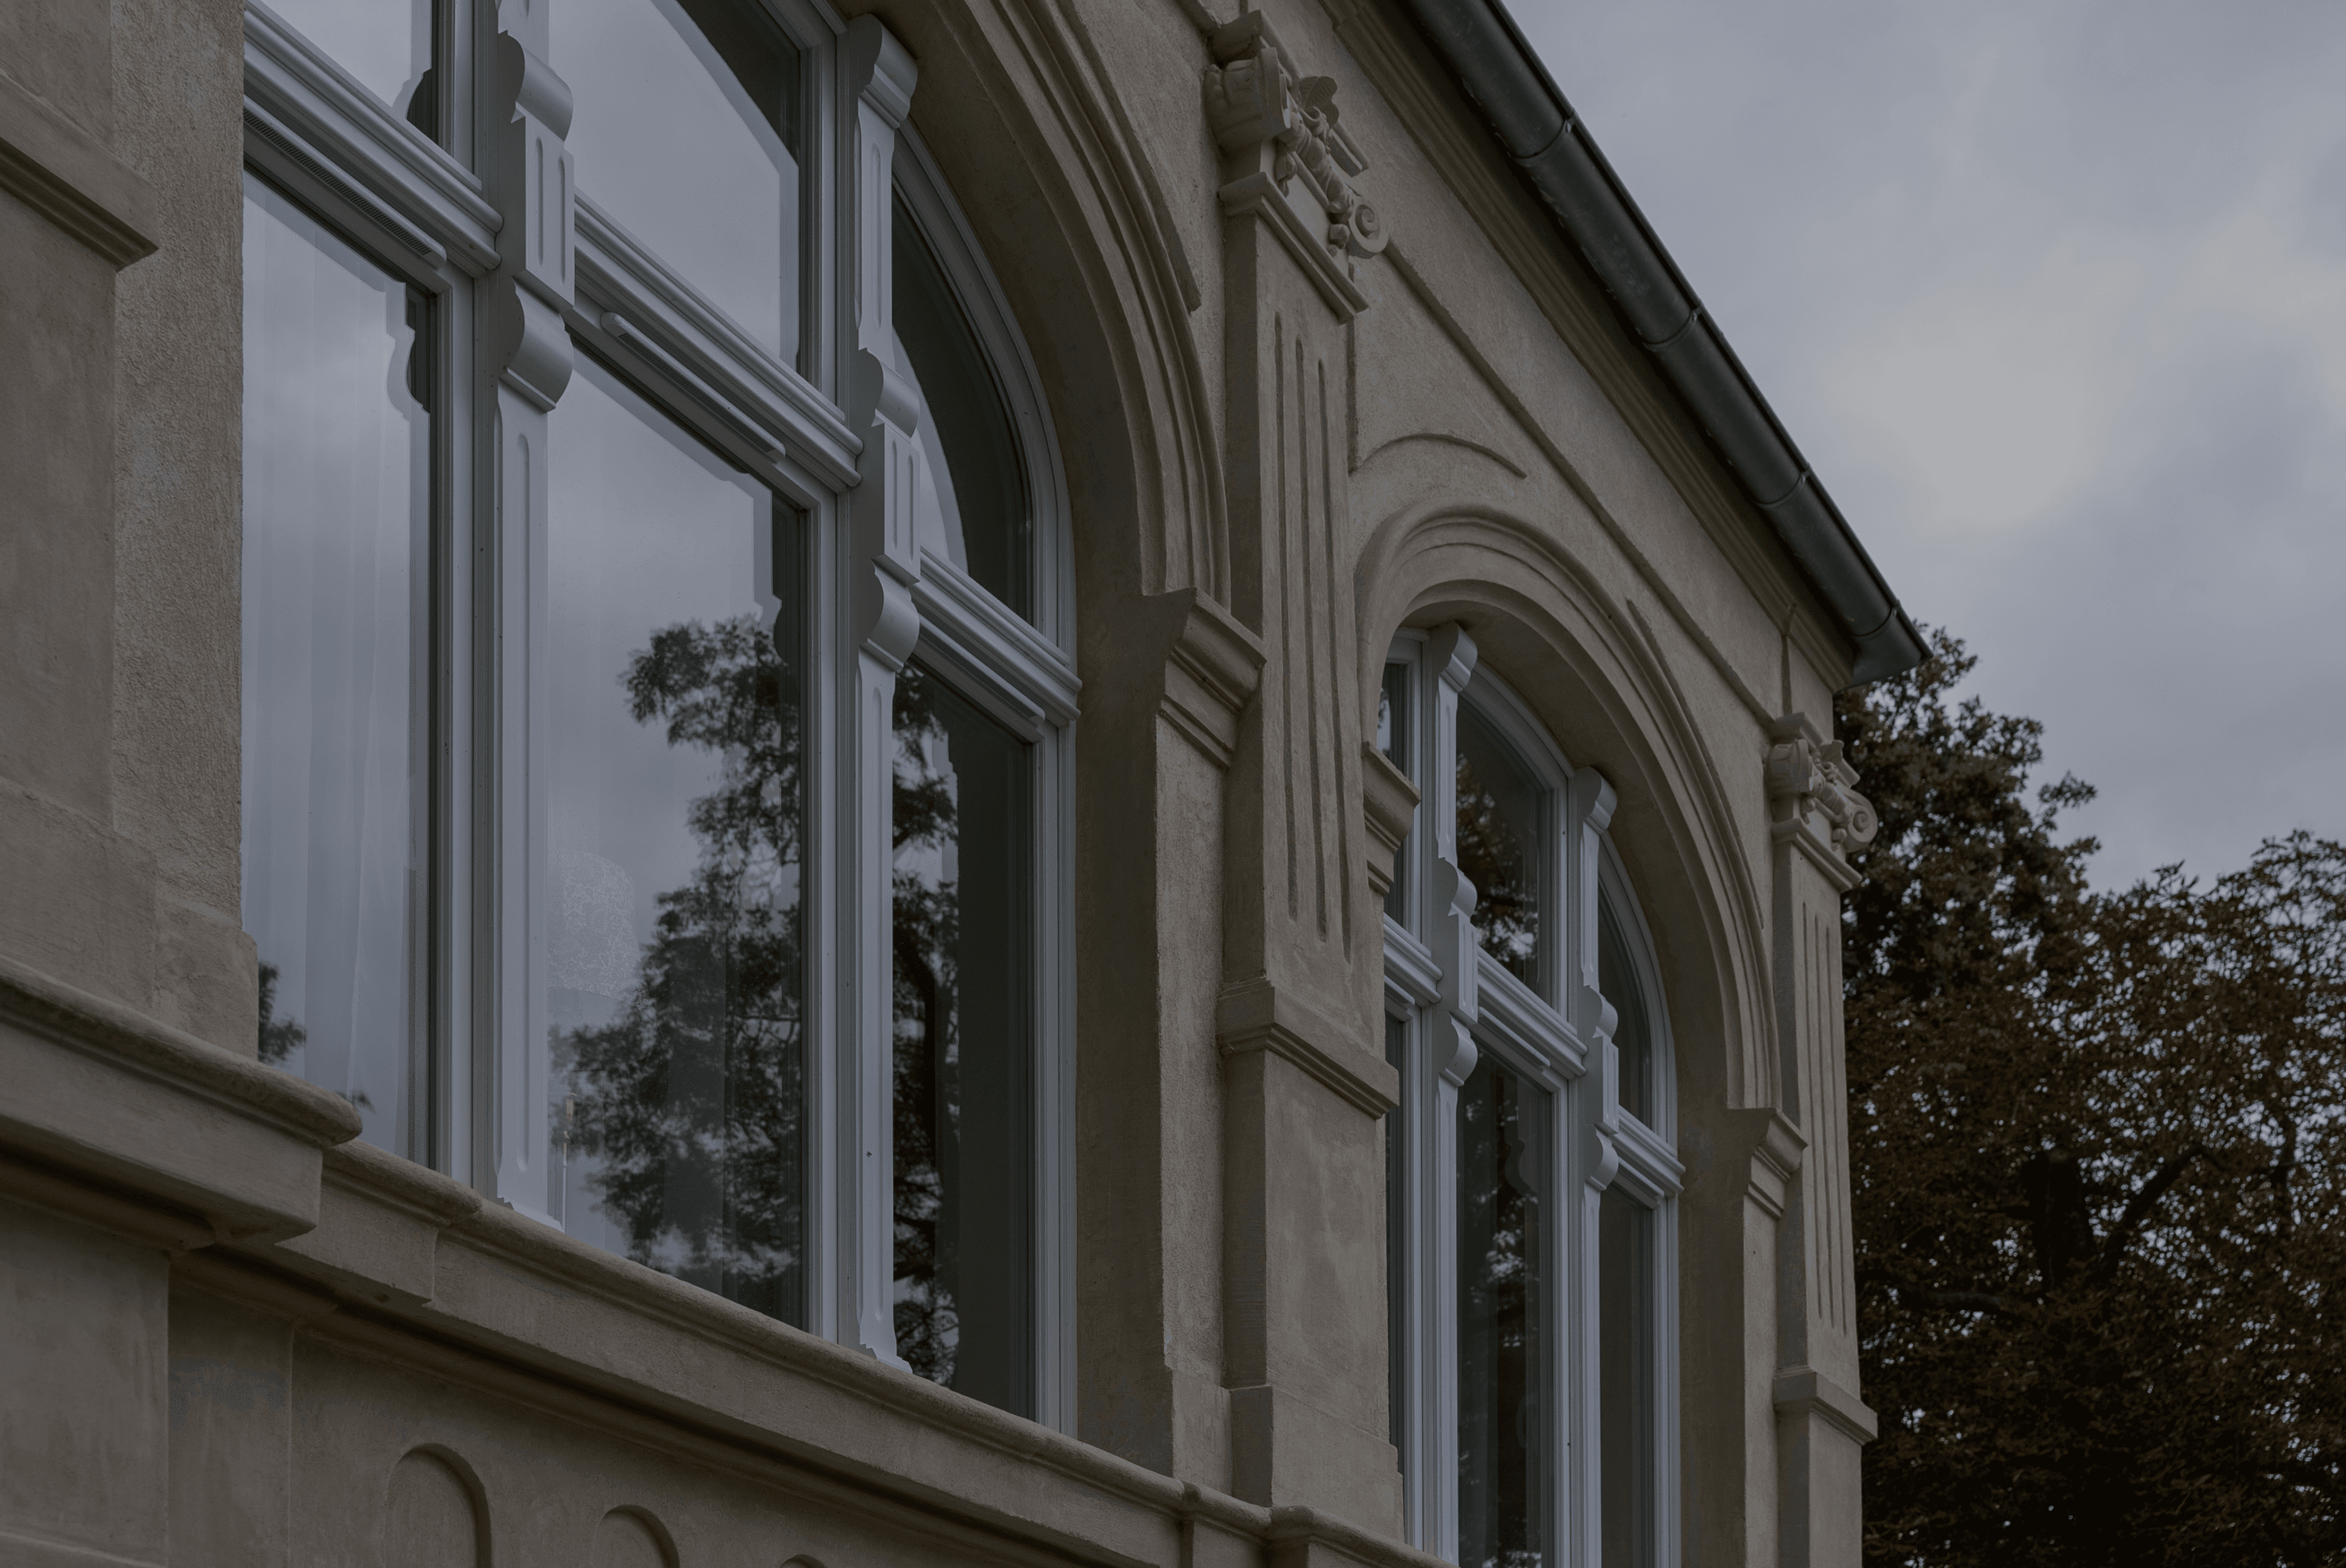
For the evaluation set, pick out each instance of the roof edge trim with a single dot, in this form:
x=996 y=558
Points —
x=1560 y=160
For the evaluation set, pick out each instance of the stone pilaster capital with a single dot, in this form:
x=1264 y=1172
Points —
x=1286 y=157
x=1812 y=798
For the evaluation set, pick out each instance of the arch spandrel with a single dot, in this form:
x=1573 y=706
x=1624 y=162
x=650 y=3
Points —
x=1591 y=673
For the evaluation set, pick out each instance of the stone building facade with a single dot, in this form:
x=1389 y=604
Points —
x=975 y=780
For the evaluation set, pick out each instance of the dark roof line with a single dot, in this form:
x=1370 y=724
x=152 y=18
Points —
x=1554 y=152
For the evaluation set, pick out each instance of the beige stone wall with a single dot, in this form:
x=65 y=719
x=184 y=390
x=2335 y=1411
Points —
x=234 y=1337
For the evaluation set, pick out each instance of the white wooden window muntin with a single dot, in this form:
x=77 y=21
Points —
x=1554 y=1036
x=419 y=209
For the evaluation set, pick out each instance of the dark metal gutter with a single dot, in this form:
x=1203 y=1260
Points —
x=1559 y=158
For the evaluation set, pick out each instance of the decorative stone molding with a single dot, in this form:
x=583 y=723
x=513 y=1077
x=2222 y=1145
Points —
x=1812 y=798
x=1804 y=1391
x=112 y=1115
x=1389 y=804
x=1286 y=159
x=1256 y=1015
x=73 y=179
x=1212 y=665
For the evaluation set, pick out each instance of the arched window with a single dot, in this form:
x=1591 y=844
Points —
x=604 y=843
x=1531 y=1175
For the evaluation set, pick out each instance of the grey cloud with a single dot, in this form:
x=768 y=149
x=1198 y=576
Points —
x=2054 y=295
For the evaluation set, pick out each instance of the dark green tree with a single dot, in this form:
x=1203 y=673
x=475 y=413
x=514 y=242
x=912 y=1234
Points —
x=2099 y=1164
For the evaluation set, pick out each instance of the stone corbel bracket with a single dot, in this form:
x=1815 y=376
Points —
x=1211 y=666
x=1286 y=160
x=1813 y=800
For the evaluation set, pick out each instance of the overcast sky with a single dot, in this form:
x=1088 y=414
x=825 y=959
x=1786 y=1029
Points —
x=2053 y=295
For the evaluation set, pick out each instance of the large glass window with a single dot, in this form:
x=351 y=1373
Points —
x=1559 y=1328
x=1499 y=847
x=972 y=512
x=385 y=45
x=674 y=812
x=688 y=132
x=594 y=845
x=963 y=1048
x=1503 y=1127
x=1626 y=1394
x=337 y=546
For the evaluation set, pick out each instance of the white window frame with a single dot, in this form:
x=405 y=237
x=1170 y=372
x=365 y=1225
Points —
x=1457 y=1002
x=432 y=216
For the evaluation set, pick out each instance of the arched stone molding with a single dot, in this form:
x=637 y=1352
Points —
x=1592 y=672
x=632 y=1538
x=1015 y=107
x=434 y=1513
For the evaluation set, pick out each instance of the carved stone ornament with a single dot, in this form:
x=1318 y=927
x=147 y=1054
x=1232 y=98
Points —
x=1286 y=158
x=1811 y=791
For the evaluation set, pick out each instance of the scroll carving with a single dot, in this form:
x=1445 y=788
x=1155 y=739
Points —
x=1286 y=158
x=1812 y=793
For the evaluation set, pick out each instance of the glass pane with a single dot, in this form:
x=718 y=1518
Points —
x=973 y=511
x=1633 y=1031
x=964 y=1051
x=1626 y=1377
x=687 y=131
x=1393 y=740
x=1503 y=1405
x=337 y=458
x=1498 y=844
x=675 y=988
x=1396 y=1243
x=385 y=43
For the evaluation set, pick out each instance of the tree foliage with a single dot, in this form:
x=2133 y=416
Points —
x=2099 y=1161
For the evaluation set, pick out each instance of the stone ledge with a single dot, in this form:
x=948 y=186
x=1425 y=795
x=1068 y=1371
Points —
x=532 y=1314
x=98 y=1091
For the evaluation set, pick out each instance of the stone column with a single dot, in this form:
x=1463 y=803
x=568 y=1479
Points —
x=1816 y=817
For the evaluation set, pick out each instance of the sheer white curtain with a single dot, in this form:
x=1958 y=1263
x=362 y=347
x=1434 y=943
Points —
x=336 y=458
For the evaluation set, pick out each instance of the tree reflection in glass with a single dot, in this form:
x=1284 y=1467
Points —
x=1498 y=838
x=1501 y=1355
x=963 y=1048
x=676 y=846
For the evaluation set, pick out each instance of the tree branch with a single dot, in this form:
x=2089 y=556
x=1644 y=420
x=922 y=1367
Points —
x=2137 y=1209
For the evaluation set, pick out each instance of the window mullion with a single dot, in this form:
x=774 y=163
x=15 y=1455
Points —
x=1446 y=1061
x=882 y=567
x=525 y=370
x=1593 y=1114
